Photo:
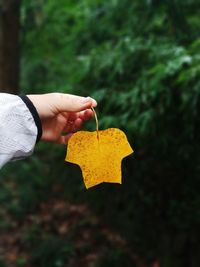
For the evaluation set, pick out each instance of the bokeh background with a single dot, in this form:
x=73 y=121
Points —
x=141 y=60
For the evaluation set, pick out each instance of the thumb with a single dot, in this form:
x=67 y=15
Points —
x=71 y=103
x=48 y=105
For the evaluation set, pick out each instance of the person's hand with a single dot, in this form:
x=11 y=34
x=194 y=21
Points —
x=62 y=114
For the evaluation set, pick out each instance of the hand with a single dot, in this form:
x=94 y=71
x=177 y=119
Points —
x=62 y=114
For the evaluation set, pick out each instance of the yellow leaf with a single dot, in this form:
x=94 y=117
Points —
x=99 y=155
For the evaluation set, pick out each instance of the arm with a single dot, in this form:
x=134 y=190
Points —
x=51 y=117
x=18 y=130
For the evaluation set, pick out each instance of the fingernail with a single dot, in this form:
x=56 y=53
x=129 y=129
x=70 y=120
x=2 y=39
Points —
x=87 y=100
x=94 y=102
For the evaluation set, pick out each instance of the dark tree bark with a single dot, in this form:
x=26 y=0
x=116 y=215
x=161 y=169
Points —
x=9 y=45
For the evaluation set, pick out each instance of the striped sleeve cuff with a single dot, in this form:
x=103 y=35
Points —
x=35 y=115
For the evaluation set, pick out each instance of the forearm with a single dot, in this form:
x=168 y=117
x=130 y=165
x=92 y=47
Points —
x=18 y=128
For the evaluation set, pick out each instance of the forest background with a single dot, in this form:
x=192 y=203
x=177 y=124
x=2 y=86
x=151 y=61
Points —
x=141 y=60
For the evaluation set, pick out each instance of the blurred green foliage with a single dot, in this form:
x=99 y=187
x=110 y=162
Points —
x=141 y=61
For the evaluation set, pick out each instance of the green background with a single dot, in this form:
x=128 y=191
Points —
x=141 y=61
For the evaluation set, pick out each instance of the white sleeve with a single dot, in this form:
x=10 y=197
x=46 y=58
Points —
x=18 y=129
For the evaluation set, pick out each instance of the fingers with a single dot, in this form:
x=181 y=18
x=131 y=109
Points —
x=74 y=121
x=73 y=126
x=71 y=103
x=86 y=115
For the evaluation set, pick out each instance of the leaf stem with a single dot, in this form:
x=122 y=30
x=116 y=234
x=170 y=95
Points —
x=97 y=123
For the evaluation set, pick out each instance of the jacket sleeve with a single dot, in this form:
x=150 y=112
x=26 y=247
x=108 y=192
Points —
x=20 y=127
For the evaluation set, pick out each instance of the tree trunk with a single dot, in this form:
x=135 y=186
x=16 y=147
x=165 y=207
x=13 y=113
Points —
x=9 y=45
